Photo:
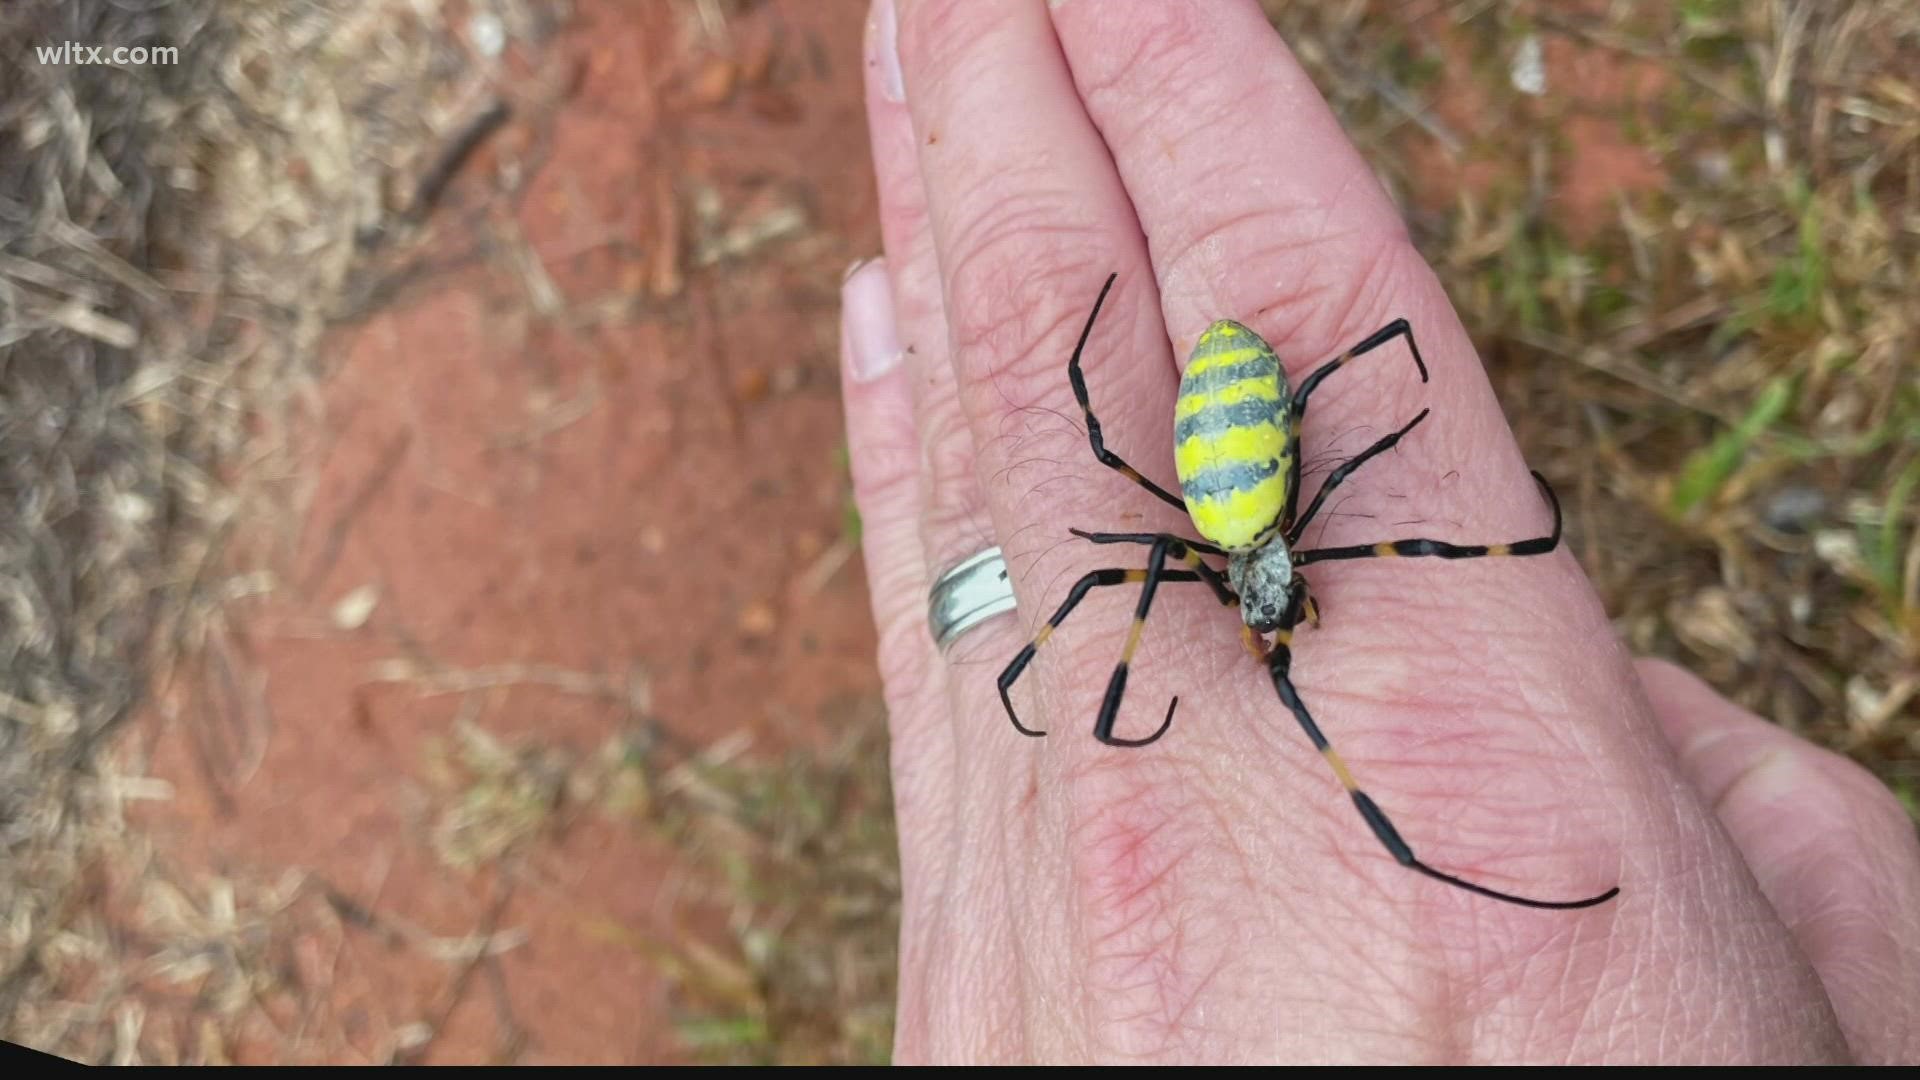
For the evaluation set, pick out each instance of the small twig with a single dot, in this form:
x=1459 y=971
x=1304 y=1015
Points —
x=815 y=577
x=512 y=1034
x=469 y=967
x=467 y=136
x=467 y=680
x=371 y=486
x=1397 y=97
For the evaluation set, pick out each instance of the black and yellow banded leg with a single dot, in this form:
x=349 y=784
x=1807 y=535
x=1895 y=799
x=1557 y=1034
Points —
x=1340 y=474
x=1394 y=329
x=1094 y=580
x=1117 y=684
x=1539 y=545
x=1220 y=586
x=1107 y=457
x=1279 y=664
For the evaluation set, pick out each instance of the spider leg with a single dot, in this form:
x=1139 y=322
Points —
x=1345 y=470
x=1539 y=545
x=1394 y=329
x=1094 y=580
x=1107 y=457
x=1117 y=684
x=1145 y=539
x=1213 y=577
x=1279 y=664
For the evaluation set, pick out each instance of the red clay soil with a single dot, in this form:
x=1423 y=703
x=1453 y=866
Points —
x=642 y=477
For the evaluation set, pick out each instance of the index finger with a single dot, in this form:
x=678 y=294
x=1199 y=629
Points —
x=1029 y=222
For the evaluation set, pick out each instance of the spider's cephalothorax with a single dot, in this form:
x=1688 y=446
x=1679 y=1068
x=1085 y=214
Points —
x=1263 y=577
x=1236 y=453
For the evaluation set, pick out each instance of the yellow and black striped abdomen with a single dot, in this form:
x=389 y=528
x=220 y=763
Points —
x=1231 y=436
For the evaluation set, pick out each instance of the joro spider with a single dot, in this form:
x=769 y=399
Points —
x=1236 y=453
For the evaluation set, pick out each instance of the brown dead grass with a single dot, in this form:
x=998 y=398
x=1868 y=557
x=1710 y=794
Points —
x=174 y=242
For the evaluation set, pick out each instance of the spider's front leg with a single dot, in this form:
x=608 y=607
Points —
x=1117 y=683
x=1155 y=573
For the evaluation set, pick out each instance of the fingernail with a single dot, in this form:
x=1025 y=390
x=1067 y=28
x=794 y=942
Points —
x=866 y=310
x=892 y=86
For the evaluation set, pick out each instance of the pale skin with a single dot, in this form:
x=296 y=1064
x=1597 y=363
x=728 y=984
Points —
x=1215 y=897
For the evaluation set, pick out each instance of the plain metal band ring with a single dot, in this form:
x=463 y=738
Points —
x=967 y=595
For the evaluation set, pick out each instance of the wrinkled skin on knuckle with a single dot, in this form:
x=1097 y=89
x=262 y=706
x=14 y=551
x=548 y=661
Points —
x=885 y=476
x=1312 y=292
x=1021 y=284
x=1154 y=80
x=942 y=40
x=1019 y=298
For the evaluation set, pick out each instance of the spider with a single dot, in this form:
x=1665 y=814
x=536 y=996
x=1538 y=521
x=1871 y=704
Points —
x=1236 y=453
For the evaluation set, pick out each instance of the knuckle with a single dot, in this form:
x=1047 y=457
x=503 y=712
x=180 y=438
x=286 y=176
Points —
x=1015 y=261
x=1313 y=287
x=939 y=39
x=884 y=477
x=1861 y=800
x=1156 y=72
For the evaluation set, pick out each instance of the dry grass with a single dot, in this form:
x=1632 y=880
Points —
x=804 y=848
x=174 y=241
x=94 y=487
x=798 y=854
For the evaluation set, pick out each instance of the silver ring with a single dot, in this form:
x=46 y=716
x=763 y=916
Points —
x=968 y=595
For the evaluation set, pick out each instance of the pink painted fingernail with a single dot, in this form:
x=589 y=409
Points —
x=887 y=29
x=866 y=311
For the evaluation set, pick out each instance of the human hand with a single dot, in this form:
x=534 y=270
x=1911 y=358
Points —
x=1215 y=896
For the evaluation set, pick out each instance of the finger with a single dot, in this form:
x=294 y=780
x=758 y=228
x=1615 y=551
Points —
x=885 y=460
x=914 y=407
x=1029 y=220
x=955 y=524
x=932 y=713
x=1833 y=851
x=1257 y=203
